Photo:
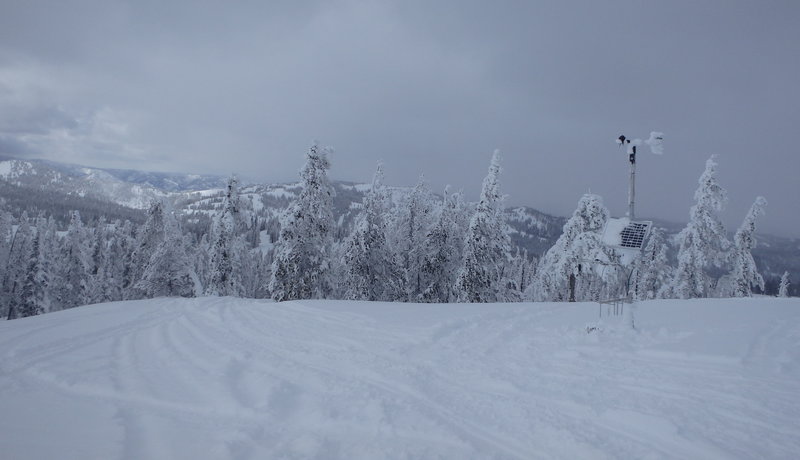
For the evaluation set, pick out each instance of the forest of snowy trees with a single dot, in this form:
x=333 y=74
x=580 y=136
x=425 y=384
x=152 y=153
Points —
x=421 y=248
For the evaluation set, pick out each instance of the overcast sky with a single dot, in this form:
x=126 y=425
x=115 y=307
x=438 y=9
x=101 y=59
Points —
x=425 y=86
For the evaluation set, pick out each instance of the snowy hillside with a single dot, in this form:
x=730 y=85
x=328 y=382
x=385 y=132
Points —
x=163 y=181
x=77 y=181
x=131 y=188
x=223 y=378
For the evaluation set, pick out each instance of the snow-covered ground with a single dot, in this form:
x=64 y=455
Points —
x=217 y=378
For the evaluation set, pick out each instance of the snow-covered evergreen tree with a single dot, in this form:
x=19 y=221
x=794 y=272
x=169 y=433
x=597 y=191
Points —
x=48 y=277
x=256 y=277
x=6 y=234
x=652 y=270
x=745 y=273
x=371 y=272
x=115 y=259
x=338 y=268
x=20 y=253
x=526 y=270
x=33 y=295
x=122 y=256
x=110 y=257
x=74 y=265
x=600 y=274
x=201 y=258
x=228 y=256
x=301 y=264
x=483 y=276
x=443 y=248
x=97 y=283
x=148 y=238
x=783 y=288
x=578 y=244
x=253 y=234
x=703 y=242
x=409 y=231
x=170 y=272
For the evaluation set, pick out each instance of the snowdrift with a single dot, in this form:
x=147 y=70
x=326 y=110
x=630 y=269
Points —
x=217 y=378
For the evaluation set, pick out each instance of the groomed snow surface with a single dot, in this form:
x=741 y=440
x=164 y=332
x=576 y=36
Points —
x=217 y=378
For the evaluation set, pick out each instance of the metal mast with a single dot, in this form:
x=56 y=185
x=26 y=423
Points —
x=655 y=142
x=631 y=149
x=632 y=184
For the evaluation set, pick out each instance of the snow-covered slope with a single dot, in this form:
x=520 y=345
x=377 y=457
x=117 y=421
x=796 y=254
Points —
x=224 y=378
x=533 y=230
x=44 y=176
x=163 y=181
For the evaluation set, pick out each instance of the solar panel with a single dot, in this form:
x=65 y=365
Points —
x=634 y=234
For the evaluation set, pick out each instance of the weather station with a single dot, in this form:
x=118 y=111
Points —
x=626 y=235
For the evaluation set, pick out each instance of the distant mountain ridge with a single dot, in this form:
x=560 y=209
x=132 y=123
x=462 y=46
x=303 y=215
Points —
x=164 y=181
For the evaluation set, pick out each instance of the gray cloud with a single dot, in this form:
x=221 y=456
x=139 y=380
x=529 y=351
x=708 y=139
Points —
x=11 y=146
x=427 y=87
x=33 y=119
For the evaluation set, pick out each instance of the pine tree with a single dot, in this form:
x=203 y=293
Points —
x=370 y=269
x=783 y=289
x=573 y=255
x=114 y=261
x=97 y=283
x=338 y=265
x=253 y=281
x=48 y=278
x=169 y=271
x=301 y=265
x=6 y=235
x=703 y=242
x=201 y=258
x=20 y=253
x=228 y=257
x=652 y=270
x=148 y=238
x=745 y=273
x=410 y=228
x=110 y=258
x=599 y=273
x=33 y=298
x=443 y=253
x=123 y=256
x=526 y=269
x=487 y=246
x=74 y=265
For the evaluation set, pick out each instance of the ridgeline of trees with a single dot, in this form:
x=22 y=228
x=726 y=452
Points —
x=421 y=249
